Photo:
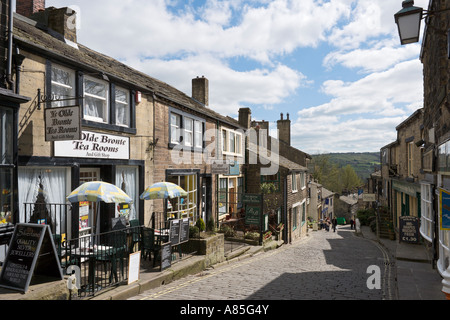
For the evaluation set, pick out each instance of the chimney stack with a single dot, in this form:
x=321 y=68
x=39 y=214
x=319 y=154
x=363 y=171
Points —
x=200 y=90
x=62 y=20
x=28 y=7
x=245 y=117
x=284 y=129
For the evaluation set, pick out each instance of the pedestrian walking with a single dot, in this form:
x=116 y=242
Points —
x=334 y=222
x=352 y=222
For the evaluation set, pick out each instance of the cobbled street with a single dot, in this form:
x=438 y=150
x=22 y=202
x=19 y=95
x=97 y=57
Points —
x=323 y=265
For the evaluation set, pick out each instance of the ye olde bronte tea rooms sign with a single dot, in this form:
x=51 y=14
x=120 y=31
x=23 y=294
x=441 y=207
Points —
x=95 y=145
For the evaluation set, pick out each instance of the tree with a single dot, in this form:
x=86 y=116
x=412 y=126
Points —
x=332 y=177
x=348 y=178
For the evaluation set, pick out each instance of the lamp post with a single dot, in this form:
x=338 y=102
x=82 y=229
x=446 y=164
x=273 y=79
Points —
x=408 y=22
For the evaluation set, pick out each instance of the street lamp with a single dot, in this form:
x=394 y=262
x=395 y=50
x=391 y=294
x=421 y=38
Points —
x=408 y=22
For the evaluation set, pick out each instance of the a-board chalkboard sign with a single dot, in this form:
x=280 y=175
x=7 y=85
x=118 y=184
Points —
x=166 y=255
x=184 y=230
x=174 y=232
x=31 y=252
x=409 y=229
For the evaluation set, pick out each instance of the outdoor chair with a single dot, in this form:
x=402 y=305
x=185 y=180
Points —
x=135 y=234
x=150 y=244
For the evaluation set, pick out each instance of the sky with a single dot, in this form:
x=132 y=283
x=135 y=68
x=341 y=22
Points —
x=336 y=66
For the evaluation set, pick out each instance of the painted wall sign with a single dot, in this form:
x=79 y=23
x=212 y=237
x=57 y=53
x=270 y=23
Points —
x=95 y=145
x=444 y=209
x=62 y=123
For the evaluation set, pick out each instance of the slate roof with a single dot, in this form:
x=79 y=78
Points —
x=30 y=35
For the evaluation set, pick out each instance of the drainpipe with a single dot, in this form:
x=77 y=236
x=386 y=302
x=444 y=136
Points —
x=10 y=44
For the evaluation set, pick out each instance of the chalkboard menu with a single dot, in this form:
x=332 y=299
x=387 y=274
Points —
x=174 y=232
x=409 y=229
x=31 y=251
x=184 y=230
x=166 y=256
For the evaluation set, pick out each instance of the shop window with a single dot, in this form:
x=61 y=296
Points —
x=6 y=136
x=274 y=178
x=184 y=207
x=230 y=195
x=127 y=180
x=47 y=185
x=6 y=197
x=223 y=195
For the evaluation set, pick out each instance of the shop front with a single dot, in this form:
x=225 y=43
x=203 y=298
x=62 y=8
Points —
x=45 y=183
x=9 y=108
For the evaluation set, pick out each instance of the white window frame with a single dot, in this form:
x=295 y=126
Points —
x=427 y=215
x=302 y=180
x=198 y=134
x=188 y=136
x=294 y=184
x=105 y=100
x=63 y=85
x=124 y=105
x=175 y=128
x=226 y=135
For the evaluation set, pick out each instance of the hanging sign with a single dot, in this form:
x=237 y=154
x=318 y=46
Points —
x=94 y=145
x=31 y=252
x=62 y=123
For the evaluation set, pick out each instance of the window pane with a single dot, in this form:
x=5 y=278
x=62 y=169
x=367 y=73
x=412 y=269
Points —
x=198 y=134
x=232 y=142
x=63 y=87
x=188 y=131
x=224 y=141
x=6 y=136
x=95 y=100
x=122 y=107
x=175 y=121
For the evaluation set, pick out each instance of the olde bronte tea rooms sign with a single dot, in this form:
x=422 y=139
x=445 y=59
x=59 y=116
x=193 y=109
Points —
x=95 y=145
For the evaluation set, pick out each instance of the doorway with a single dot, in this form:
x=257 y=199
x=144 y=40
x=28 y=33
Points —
x=88 y=218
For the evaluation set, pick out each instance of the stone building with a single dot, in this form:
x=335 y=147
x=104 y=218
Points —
x=275 y=162
x=435 y=186
x=135 y=130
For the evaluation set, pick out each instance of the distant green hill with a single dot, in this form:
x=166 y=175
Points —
x=364 y=163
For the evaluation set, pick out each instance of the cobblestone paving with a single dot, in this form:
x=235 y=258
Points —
x=323 y=265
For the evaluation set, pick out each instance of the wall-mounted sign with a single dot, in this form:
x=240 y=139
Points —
x=369 y=197
x=94 y=145
x=62 y=123
x=444 y=209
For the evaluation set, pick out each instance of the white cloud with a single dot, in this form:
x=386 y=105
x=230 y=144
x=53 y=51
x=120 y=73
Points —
x=174 y=41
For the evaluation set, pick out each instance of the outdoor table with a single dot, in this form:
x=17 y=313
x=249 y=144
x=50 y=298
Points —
x=92 y=254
